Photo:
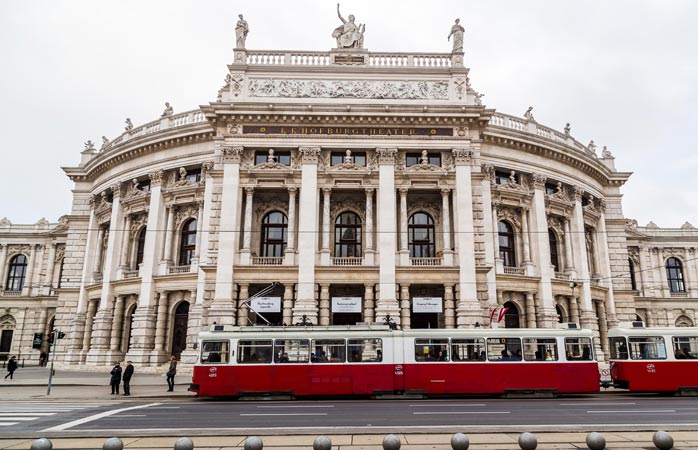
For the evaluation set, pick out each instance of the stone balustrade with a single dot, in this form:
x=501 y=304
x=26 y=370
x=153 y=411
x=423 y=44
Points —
x=127 y=274
x=513 y=270
x=426 y=262
x=267 y=260
x=173 y=270
x=163 y=123
x=11 y=293
x=348 y=261
x=679 y=295
x=318 y=58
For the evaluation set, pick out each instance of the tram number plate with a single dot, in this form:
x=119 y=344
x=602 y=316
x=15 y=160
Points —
x=212 y=372
x=651 y=368
x=398 y=369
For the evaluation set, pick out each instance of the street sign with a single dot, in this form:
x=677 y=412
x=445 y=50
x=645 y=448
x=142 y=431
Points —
x=37 y=341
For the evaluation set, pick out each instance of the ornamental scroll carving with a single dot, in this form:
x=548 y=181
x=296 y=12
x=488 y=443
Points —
x=309 y=155
x=185 y=212
x=386 y=155
x=462 y=156
x=513 y=184
x=560 y=193
x=343 y=203
x=556 y=224
x=138 y=221
x=510 y=215
x=410 y=90
x=232 y=154
x=538 y=180
x=156 y=178
x=60 y=253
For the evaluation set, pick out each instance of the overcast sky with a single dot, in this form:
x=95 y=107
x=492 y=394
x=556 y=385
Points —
x=624 y=73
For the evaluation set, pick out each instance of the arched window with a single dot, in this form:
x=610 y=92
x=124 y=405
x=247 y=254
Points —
x=140 y=245
x=347 y=235
x=683 y=321
x=511 y=317
x=187 y=243
x=552 y=239
x=674 y=275
x=506 y=244
x=633 y=281
x=17 y=273
x=274 y=229
x=420 y=231
x=560 y=315
x=60 y=273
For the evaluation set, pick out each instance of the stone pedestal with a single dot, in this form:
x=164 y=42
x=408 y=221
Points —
x=142 y=336
x=194 y=326
x=349 y=56
x=99 y=347
x=76 y=353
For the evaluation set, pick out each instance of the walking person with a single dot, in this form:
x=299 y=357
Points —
x=115 y=378
x=128 y=373
x=171 y=372
x=11 y=367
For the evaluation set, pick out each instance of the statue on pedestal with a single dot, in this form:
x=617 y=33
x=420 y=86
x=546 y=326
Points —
x=241 y=30
x=349 y=35
x=457 y=31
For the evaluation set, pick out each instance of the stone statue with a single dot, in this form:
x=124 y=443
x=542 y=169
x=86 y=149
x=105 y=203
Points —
x=528 y=115
x=348 y=35
x=105 y=142
x=134 y=185
x=89 y=146
x=129 y=125
x=512 y=177
x=347 y=158
x=270 y=157
x=424 y=160
x=241 y=30
x=606 y=153
x=182 y=174
x=168 y=110
x=457 y=31
x=592 y=147
x=568 y=129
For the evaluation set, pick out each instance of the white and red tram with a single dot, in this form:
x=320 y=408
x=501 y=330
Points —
x=654 y=359
x=372 y=360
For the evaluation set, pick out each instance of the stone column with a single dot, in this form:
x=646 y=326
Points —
x=305 y=303
x=449 y=306
x=446 y=221
x=89 y=322
x=574 y=309
x=247 y=234
x=199 y=230
x=195 y=312
x=468 y=310
x=26 y=289
x=386 y=231
x=603 y=328
x=162 y=319
x=369 y=253
x=488 y=224
x=325 y=304
x=169 y=232
x=405 y=305
x=498 y=261
x=116 y=327
x=530 y=311
x=35 y=279
x=595 y=254
x=542 y=249
x=291 y=241
x=325 y=251
x=100 y=250
x=587 y=316
x=369 y=311
x=525 y=237
x=601 y=240
x=51 y=266
x=123 y=260
x=243 y=309
x=569 y=259
x=288 y=304
x=3 y=270
x=641 y=254
x=404 y=239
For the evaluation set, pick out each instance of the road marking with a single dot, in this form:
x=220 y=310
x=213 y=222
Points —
x=631 y=411
x=2 y=414
x=439 y=405
x=297 y=406
x=92 y=418
x=5 y=424
x=283 y=414
x=595 y=404
x=19 y=418
x=128 y=415
x=165 y=407
x=417 y=413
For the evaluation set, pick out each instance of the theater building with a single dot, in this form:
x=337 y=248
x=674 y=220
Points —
x=345 y=186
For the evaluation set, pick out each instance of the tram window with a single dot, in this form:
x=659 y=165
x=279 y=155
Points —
x=647 y=347
x=578 y=349
x=328 y=351
x=685 y=347
x=431 y=349
x=540 y=349
x=255 y=351
x=214 y=352
x=619 y=349
x=365 y=350
x=291 y=351
x=504 y=349
x=468 y=350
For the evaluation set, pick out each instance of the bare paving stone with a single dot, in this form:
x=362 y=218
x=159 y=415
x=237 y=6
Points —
x=7 y=443
x=373 y=439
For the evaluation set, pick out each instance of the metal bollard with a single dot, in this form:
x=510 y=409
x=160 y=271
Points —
x=184 y=444
x=253 y=443
x=391 y=442
x=459 y=441
x=322 y=443
x=663 y=440
x=42 y=444
x=113 y=444
x=528 y=441
x=595 y=441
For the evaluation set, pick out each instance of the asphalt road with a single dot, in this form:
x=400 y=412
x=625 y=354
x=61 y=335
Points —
x=355 y=416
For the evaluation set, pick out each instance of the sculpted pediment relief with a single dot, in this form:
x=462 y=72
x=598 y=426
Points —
x=377 y=89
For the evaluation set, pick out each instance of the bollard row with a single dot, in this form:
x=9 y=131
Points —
x=459 y=441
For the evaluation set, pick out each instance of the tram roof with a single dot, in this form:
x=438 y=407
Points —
x=654 y=331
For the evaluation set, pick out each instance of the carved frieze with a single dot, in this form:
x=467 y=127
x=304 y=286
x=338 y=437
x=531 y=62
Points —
x=556 y=224
x=425 y=205
x=340 y=203
x=386 y=155
x=232 y=154
x=184 y=212
x=137 y=222
x=512 y=215
x=156 y=178
x=409 y=90
x=309 y=155
x=17 y=249
x=462 y=156
x=236 y=82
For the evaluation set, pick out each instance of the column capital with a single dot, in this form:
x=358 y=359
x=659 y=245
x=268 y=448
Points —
x=309 y=155
x=462 y=156
x=538 y=180
x=115 y=190
x=326 y=190
x=206 y=167
x=403 y=191
x=578 y=193
x=249 y=190
x=488 y=170
x=292 y=190
x=445 y=191
x=232 y=154
x=156 y=177
x=386 y=156
x=369 y=191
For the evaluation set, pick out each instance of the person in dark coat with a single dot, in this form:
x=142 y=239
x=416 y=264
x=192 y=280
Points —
x=128 y=373
x=115 y=378
x=11 y=367
x=171 y=372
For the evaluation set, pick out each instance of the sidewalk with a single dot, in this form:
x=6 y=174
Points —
x=489 y=441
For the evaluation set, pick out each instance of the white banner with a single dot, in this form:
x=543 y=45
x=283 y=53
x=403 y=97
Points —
x=427 y=304
x=346 y=304
x=266 y=304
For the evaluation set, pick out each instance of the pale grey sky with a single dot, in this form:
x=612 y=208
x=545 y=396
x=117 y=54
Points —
x=623 y=72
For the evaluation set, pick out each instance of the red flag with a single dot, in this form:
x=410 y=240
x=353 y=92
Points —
x=502 y=313
x=492 y=311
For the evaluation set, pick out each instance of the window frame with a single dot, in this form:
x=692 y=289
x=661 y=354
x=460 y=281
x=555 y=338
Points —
x=434 y=346
x=376 y=343
x=282 y=157
x=319 y=358
x=140 y=245
x=692 y=346
x=187 y=242
x=507 y=253
x=15 y=282
x=348 y=247
x=264 y=344
x=636 y=351
x=473 y=346
x=509 y=344
x=301 y=346
x=540 y=345
x=277 y=246
x=570 y=355
x=554 y=256
x=220 y=352
x=426 y=247
x=675 y=276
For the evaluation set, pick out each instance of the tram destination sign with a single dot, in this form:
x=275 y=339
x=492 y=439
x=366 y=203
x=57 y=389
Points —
x=346 y=304
x=427 y=304
x=348 y=131
x=267 y=304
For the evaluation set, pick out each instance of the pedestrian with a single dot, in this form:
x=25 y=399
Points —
x=115 y=378
x=171 y=372
x=11 y=367
x=128 y=373
x=43 y=358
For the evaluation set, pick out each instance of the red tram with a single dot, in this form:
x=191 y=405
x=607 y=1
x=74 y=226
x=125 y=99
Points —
x=654 y=359
x=373 y=360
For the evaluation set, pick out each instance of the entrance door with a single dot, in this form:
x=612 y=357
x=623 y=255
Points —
x=5 y=344
x=179 y=336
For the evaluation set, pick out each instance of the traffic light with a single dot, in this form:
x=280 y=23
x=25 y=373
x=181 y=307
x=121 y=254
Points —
x=61 y=335
x=50 y=337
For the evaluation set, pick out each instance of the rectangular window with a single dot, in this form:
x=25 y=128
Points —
x=430 y=350
x=257 y=351
x=579 y=349
x=365 y=350
x=435 y=160
x=214 y=352
x=291 y=351
x=501 y=177
x=358 y=158
x=647 y=347
x=468 y=350
x=685 y=347
x=412 y=159
x=262 y=157
x=194 y=175
x=619 y=349
x=550 y=188
x=504 y=349
x=540 y=349
x=144 y=186
x=329 y=351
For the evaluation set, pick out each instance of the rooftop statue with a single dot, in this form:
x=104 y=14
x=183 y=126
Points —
x=168 y=110
x=528 y=115
x=349 y=35
x=241 y=30
x=457 y=31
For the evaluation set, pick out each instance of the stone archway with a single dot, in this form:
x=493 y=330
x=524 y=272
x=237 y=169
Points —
x=512 y=318
x=179 y=329
x=127 y=333
x=7 y=329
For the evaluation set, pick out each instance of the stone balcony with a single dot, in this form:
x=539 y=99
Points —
x=175 y=270
x=11 y=293
x=320 y=58
x=426 y=262
x=267 y=260
x=347 y=261
x=514 y=270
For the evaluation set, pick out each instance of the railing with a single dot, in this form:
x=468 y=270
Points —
x=348 y=261
x=679 y=295
x=12 y=293
x=300 y=58
x=267 y=260
x=426 y=262
x=173 y=270
x=130 y=274
x=510 y=270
